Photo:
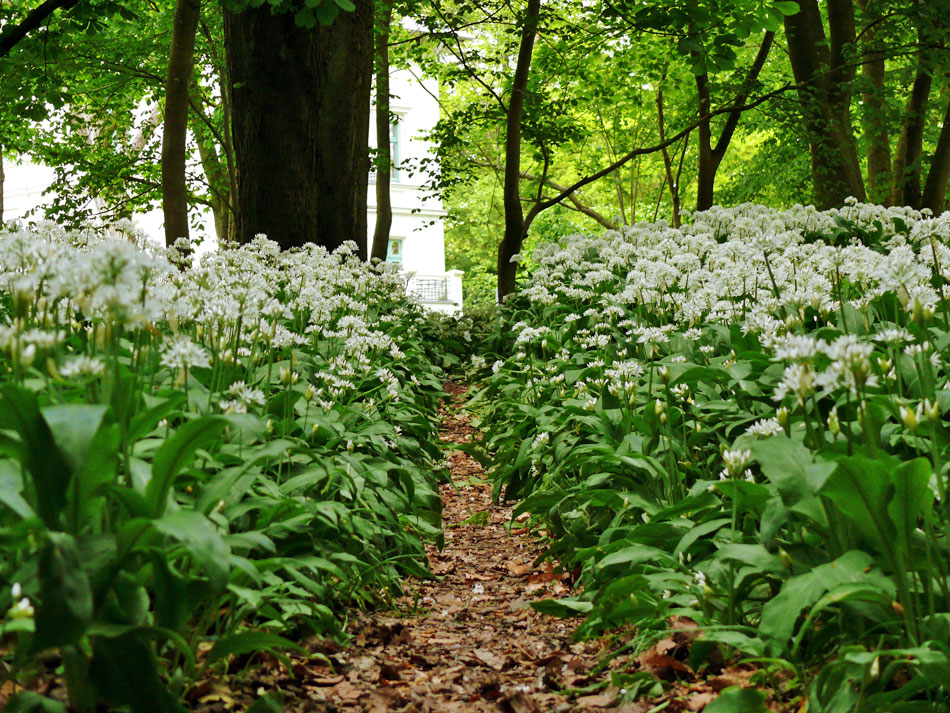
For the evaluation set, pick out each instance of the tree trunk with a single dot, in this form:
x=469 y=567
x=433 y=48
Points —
x=181 y=62
x=874 y=115
x=384 y=206
x=514 y=217
x=711 y=156
x=905 y=189
x=300 y=118
x=671 y=180
x=2 y=179
x=935 y=190
x=707 y=166
x=821 y=69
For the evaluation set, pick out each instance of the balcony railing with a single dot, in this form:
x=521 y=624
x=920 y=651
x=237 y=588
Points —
x=443 y=292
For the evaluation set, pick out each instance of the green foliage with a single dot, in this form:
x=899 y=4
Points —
x=183 y=462
x=706 y=433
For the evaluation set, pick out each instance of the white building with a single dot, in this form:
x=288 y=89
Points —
x=417 y=235
x=417 y=241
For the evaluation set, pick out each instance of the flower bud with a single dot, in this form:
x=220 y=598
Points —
x=910 y=418
x=834 y=425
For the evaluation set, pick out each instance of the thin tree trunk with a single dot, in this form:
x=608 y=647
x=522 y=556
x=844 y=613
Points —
x=905 y=189
x=710 y=157
x=707 y=163
x=667 y=163
x=935 y=190
x=300 y=116
x=874 y=115
x=384 y=206
x=822 y=71
x=181 y=62
x=2 y=179
x=514 y=217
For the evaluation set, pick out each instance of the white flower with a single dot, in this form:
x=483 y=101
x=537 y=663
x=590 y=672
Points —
x=182 y=353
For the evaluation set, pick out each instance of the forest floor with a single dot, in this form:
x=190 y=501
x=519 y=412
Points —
x=467 y=641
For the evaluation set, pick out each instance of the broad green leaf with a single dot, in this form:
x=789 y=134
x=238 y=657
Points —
x=65 y=595
x=698 y=531
x=780 y=613
x=246 y=642
x=861 y=489
x=786 y=7
x=20 y=412
x=29 y=702
x=11 y=489
x=199 y=537
x=738 y=700
x=73 y=427
x=912 y=499
x=176 y=454
x=562 y=608
x=125 y=673
x=145 y=422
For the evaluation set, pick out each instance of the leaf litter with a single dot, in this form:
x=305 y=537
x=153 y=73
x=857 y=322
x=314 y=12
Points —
x=468 y=640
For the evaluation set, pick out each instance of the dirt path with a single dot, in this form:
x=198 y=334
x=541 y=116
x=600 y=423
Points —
x=468 y=642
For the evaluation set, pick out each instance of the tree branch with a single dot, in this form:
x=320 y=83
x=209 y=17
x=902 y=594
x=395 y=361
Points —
x=12 y=35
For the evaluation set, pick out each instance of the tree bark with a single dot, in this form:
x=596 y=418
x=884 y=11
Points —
x=935 y=190
x=824 y=75
x=384 y=206
x=709 y=156
x=905 y=189
x=181 y=63
x=514 y=217
x=300 y=116
x=2 y=179
x=874 y=114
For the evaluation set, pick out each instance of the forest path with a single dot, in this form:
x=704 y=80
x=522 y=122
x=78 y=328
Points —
x=467 y=641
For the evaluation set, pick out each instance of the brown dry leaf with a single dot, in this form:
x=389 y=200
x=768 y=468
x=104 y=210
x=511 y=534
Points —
x=490 y=659
x=729 y=678
x=326 y=680
x=519 y=570
x=698 y=701
x=661 y=666
x=347 y=691
x=599 y=700
x=519 y=702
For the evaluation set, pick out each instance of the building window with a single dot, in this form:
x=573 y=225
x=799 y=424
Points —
x=394 y=253
x=394 y=150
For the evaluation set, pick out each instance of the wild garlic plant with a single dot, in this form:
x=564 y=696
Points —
x=744 y=423
x=220 y=453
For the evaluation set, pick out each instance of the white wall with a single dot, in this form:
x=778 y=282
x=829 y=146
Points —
x=422 y=231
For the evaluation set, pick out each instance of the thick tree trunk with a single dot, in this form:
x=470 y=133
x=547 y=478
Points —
x=514 y=216
x=935 y=190
x=874 y=115
x=384 y=206
x=300 y=118
x=905 y=189
x=824 y=74
x=181 y=62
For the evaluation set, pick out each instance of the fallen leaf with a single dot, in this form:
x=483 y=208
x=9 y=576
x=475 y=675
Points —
x=490 y=659
x=347 y=691
x=662 y=666
x=519 y=570
x=599 y=700
x=698 y=701
x=326 y=680
x=519 y=702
